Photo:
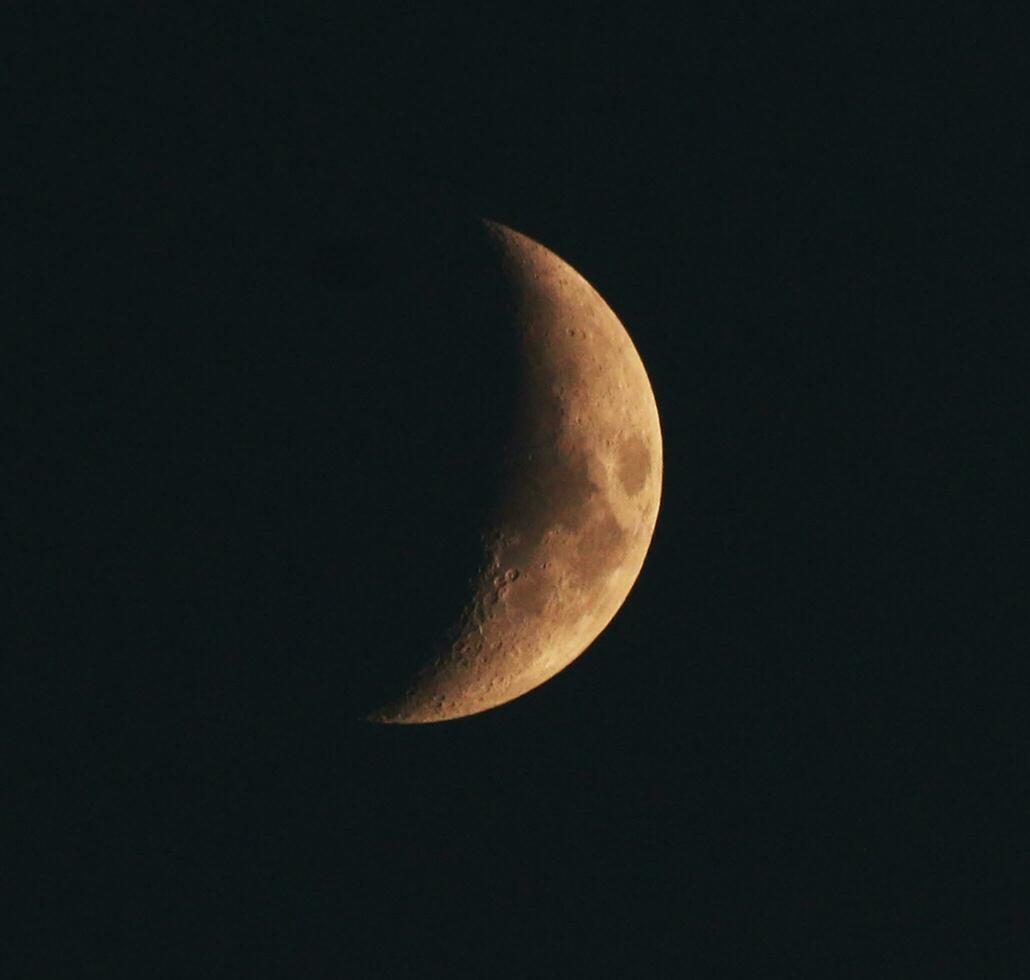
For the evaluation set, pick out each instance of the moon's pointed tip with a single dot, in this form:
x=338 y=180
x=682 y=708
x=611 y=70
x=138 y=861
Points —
x=397 y=720
x=397 y=714
x=494 y=228
x=387 y=715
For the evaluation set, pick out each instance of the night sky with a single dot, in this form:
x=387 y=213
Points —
x=764 y=766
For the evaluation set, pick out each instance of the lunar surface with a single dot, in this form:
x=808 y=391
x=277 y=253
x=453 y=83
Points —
x=578 y=498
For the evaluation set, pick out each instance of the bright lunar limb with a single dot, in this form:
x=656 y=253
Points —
x=580 y=497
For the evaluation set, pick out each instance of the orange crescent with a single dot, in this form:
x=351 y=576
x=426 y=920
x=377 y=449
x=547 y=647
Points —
x=582 y=489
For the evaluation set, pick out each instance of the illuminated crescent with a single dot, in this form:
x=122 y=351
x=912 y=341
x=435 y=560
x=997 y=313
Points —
x=583 y=476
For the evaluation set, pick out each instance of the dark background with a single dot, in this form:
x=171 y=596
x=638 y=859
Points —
x=764 y=766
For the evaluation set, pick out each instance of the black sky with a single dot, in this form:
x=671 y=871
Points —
x=764 y=766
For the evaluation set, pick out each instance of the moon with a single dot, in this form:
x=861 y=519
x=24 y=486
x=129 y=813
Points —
x=579 y=497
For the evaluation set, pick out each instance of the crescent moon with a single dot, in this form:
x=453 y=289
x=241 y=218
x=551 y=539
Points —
x=583 y=475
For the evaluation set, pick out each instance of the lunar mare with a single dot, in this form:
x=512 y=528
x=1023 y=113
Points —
x=581 y=489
